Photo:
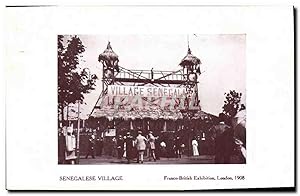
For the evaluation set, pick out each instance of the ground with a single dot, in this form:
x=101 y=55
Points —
x=204 y=159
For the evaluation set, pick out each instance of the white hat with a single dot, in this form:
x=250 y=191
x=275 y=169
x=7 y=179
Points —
x=69 y=130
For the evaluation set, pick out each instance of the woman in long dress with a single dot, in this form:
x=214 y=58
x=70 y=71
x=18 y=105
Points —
x=195 y=147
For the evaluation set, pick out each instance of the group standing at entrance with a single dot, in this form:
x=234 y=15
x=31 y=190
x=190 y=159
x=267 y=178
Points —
x=223 y=142
x=136 y=147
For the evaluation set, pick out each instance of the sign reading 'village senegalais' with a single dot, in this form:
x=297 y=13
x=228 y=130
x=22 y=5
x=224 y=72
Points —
x=145 y=91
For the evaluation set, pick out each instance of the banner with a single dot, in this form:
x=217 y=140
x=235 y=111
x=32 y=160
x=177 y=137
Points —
x=146 y=91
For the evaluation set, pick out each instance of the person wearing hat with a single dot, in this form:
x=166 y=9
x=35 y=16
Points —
x=178 y=147
x=120 y=146
x=195 y=147
x=140 y=143
x=129 y=145
x=223 y=139
x=91 y=147
x=151 y=140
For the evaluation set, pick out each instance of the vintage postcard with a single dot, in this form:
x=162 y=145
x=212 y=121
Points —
x=167 y=112
x=150 y=98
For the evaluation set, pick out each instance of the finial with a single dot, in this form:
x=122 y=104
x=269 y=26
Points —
x=188 y=42
x=108 y=45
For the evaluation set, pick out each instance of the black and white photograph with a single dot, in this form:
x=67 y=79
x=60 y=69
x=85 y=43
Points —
x=151 y=99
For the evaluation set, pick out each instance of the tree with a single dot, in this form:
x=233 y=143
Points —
x=62 y=79
x=232 y=105
x=73 y=83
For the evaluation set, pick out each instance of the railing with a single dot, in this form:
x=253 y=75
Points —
x=150 y=74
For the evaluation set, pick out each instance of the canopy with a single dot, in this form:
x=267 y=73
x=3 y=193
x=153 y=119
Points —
x=189 y=59
x=109 y=56
x=152 y=111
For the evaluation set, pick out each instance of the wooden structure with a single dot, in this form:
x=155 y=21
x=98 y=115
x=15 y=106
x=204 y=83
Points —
x=154 y=118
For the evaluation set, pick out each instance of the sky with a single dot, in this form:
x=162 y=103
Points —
x=223 y=60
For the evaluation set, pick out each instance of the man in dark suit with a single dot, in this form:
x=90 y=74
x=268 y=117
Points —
x=224 y=141
x=120 y=146
x=91 y=147
x=129 y=143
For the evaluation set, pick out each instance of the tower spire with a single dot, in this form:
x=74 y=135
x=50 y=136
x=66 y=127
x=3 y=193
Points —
x=188 y=42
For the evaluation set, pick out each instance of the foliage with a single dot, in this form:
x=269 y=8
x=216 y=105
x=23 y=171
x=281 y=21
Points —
x=232 y=104
x=73 y=83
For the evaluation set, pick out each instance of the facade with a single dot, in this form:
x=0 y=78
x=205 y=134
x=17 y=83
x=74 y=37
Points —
x=164 y=102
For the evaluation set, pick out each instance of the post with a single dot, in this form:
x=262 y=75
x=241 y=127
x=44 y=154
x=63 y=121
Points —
x=68 y=121
x=165 y=125
x=131 y=125
x=148 y=125
x=78 y=133
x=189 y=138
x=189 y=126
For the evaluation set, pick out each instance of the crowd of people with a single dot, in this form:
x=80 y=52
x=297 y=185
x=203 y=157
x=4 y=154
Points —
x=224 y=141
x=136 y=148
